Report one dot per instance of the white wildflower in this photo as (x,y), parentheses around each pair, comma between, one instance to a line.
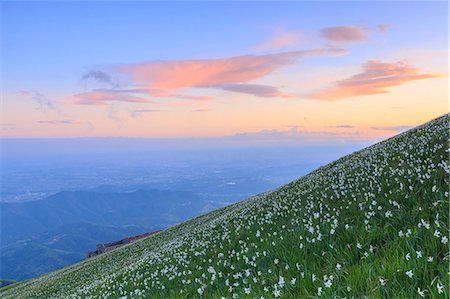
(319,291)
(440,287)
(421,293)
(409,273)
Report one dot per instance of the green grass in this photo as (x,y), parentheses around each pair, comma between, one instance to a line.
(357,225)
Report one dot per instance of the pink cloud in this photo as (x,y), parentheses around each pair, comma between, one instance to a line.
(351,34)
(200,110)
(345,34)
(375,78)
(102,98)
(168,76)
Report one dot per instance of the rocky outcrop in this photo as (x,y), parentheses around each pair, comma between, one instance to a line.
(105,247)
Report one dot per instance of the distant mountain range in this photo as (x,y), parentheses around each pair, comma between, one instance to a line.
(41,236)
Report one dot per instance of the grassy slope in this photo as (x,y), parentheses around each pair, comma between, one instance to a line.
(353,228)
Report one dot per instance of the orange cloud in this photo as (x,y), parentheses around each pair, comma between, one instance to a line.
(165,77)
(375,79)
(102,98)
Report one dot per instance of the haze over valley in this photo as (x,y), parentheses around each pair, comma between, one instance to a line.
(58,203)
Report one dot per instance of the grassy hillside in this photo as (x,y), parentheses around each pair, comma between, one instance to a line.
(374,223)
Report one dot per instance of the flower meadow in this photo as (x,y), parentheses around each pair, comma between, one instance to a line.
(373,224)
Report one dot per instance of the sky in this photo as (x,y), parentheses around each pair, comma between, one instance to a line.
(308,71)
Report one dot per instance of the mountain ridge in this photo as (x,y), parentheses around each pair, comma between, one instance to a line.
(27,218)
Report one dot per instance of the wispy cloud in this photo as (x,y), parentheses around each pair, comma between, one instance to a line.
(99,77)
(25,93)
(200,110)
(392,128)
(7,127)
(258,90)
(280,40)
(103,98)
(139,112)
(58,122)
(297,135)
(153,93)
(383,28)
(345,34)
(343,127)
(375,78)
(191,97)
(113,115)
(351,34)
(44,103)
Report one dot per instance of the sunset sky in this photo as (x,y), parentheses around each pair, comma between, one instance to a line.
(343,70)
